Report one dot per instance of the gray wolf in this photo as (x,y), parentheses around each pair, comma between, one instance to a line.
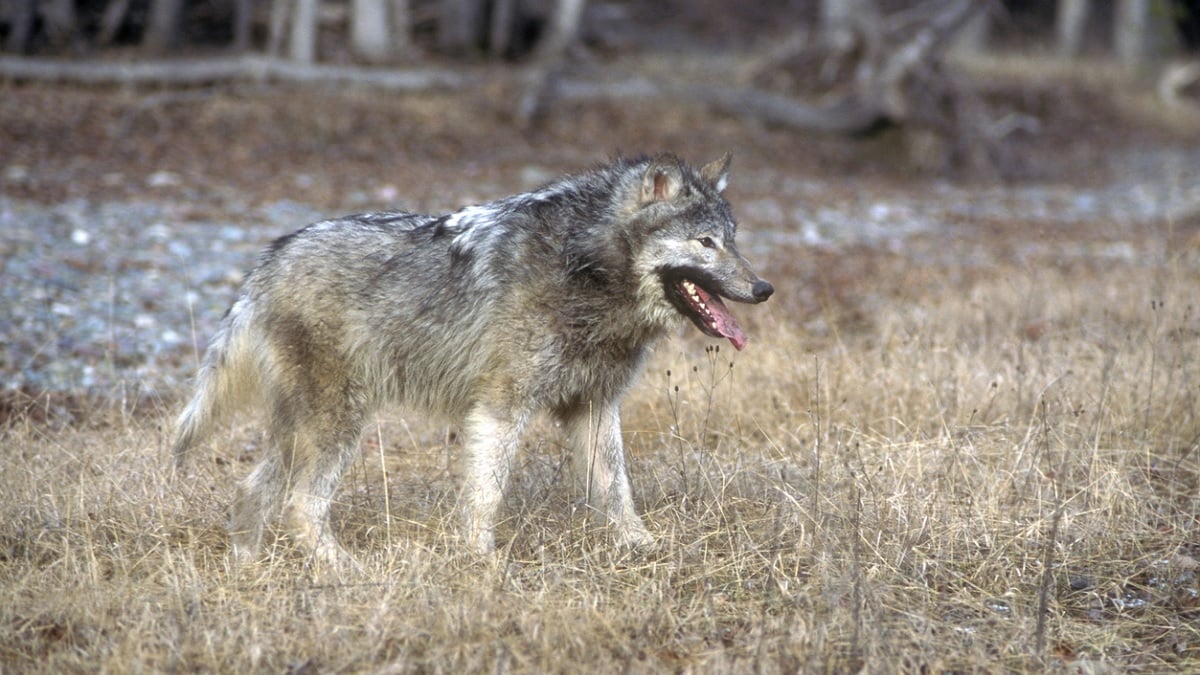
(547,301)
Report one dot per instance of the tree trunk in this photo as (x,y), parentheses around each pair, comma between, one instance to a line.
(1142,30)
(20,25)
(243,24)
(500,32)
(370,29)
(302,46)
(59,19)
(162,29)
(401,28)
(838,20)
(1069,26)
(277,29)
(972,38)
(1129,31)
(110,23)
(564,28)
(460,25)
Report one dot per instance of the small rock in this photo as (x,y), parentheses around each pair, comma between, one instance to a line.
(16,173)
(163,179)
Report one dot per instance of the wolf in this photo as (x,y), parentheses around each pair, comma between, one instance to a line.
(547,301)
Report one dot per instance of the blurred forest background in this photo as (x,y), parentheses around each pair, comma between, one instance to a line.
(826,66)
(399,31)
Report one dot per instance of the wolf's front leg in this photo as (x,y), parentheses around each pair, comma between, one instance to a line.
(491,445)
(599,458)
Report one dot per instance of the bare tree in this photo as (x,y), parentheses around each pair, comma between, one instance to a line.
(972,38)
(460,25)
(841,19)
(281,10)
(548,63)
(20,24)
(564,28)
(501,26)
(110,22)
(1129,31)
(1069,24)
(1141,30)
(402,44)
(243,23)
(379,29)
(162,29)
(370,29)
(302,44)
(59,20)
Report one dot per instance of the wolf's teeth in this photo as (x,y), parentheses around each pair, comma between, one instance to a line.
(693,294)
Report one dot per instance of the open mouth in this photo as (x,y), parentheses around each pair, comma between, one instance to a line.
(706,309)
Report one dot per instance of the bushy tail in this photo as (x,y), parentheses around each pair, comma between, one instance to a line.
(228,375)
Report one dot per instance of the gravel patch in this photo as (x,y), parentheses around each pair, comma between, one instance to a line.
(1150,186)
(98,299)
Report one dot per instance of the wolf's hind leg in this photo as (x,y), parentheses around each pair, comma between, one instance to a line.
(599,459)
(325,445)
(296,483)
(256,504)
(491,445)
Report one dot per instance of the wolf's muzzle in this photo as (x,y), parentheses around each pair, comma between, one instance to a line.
(762,290)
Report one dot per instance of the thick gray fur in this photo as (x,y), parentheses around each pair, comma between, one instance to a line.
(544,301)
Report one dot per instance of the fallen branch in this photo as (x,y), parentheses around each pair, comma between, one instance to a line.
(844,115)
(245,68)
(898,79)
(1177,81)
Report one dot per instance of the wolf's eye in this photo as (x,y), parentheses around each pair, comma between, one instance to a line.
(707,242)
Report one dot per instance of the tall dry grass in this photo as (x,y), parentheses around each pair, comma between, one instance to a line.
(978,455)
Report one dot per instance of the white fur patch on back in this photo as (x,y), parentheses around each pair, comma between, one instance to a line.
(475,227)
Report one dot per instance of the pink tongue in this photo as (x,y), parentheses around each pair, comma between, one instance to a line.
(726,326)
(721,321)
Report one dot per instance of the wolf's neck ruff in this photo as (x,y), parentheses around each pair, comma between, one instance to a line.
(668,192)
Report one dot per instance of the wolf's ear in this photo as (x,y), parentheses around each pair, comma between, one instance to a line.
(716,172)
(662,181)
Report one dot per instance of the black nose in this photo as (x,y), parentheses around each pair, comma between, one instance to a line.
(762,290)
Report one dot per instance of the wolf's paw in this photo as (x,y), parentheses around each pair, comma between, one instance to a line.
(243,553)
(479,540)
(636,540)
(330,560)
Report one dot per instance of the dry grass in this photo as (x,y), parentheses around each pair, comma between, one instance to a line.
(950,469)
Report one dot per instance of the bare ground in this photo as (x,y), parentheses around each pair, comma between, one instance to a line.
(968,444)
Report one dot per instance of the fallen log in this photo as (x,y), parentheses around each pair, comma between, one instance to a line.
(192,72)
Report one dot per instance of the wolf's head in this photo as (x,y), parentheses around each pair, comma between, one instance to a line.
(687,258)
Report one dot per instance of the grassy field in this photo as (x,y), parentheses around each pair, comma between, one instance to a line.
(973,451)
(953,468)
